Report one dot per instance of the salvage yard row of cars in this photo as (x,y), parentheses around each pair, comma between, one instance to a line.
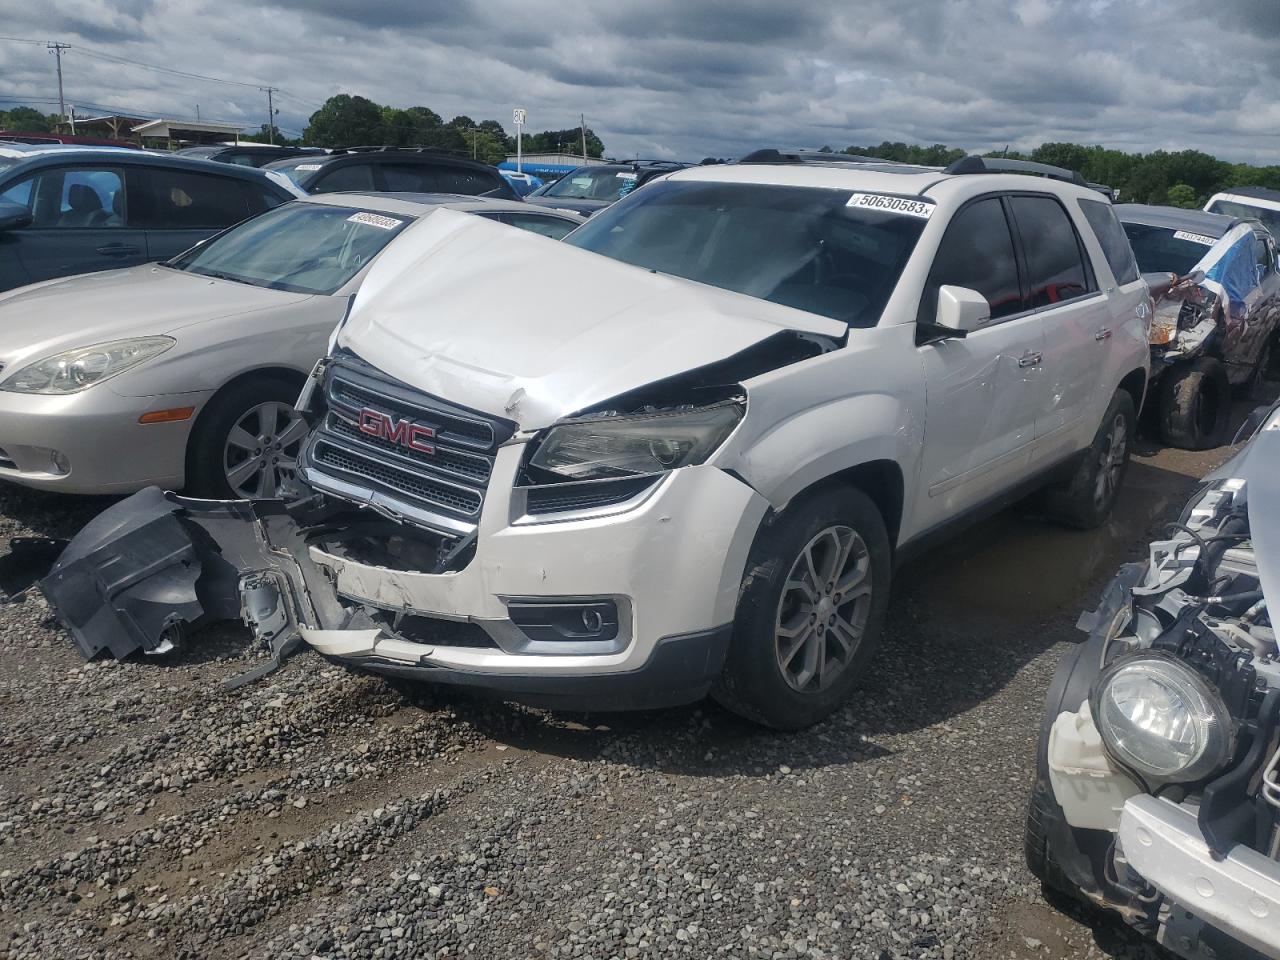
(678,449)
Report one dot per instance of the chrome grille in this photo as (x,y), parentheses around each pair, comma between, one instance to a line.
(449,478)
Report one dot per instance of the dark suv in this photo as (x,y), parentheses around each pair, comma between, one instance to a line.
(394,170)
(588,189)
(67,210)
(247,154)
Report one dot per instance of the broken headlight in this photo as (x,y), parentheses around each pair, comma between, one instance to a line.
(1161,719)
(598,448)
(77,370)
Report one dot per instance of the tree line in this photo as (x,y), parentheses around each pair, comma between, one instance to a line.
(1180,178)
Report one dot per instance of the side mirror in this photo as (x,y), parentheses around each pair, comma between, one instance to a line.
(962,310)
(13,216)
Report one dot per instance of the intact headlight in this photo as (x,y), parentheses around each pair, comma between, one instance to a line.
(79,369)
(602,447)
(1161,719)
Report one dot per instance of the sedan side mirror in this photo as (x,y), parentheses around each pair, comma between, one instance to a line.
(14,216)
(962,309)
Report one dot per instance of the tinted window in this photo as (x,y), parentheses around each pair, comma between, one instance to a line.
(354,176)
(1055,268)
(465,181)
(588,184)
(408,178)
(552,227)
(1112,238)
(802,247)
(178,200)
(69,198)
(1161,250)
(976,252)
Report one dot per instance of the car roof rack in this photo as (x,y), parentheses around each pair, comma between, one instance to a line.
(770,155)
(974,164)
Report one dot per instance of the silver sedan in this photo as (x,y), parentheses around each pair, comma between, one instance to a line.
(184,374)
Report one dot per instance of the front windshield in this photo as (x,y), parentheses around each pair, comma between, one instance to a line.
(1270,218)
(1162,250)
(588,184)
(300,247)
(802,247)
(296,170)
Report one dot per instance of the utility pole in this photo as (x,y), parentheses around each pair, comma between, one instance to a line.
(56,49)
(583,117)
(271,114)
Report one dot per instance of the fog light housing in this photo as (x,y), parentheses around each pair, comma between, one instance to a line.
(560,621)
(61,465)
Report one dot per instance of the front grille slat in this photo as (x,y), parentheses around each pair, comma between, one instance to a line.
(449,476)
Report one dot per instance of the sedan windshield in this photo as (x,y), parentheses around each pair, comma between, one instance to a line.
(802,247)
(1270,218)
(296,170)
(584,183)
(300,247)
(1162,250)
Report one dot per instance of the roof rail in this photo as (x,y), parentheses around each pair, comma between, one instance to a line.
(383,148)
(972,164)
(770,155)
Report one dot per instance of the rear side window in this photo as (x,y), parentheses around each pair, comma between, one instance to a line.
(1055,264)
(976,252)
(179,200)
(408,178)
(1112,238)
(355,176)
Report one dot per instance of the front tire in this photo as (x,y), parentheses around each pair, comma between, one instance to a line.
(245,444)
(1085,501)
(810,609)
(1195,404)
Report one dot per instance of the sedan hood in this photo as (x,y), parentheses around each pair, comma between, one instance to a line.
(47,318)
(520,326)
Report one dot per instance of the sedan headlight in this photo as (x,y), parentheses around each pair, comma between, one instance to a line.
(79,369)
(1161,719)
(602,447)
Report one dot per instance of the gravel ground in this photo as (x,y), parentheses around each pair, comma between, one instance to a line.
(319,813)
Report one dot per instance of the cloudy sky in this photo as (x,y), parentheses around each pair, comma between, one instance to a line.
(691,78)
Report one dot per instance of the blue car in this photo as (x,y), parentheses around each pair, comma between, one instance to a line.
(66,210)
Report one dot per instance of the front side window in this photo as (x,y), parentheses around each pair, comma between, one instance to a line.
(803,247)
(977,253)
(301,247)
(1055,267)
(70,198)
(1112,238)
(351,176)
(162,199)
(1161,250)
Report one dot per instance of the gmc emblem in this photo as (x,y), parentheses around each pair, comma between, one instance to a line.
(404,433)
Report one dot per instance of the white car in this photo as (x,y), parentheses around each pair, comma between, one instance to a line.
(726,406)
(184,373)
(1249,203)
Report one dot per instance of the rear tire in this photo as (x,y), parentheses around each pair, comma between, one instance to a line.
(810,610)
(1085,501)
(1195,404)
(232,453)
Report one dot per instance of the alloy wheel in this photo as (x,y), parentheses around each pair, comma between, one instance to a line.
(823,610)
(261,451)
(1111,461)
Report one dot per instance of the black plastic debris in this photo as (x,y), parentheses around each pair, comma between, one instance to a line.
(29,559)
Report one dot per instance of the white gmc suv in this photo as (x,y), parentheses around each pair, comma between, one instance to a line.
(678,452)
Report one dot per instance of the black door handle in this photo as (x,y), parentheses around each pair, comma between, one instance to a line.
(118,249)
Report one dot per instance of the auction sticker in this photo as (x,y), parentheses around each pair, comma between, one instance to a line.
(879,201)
(1194,237)
(375,220)
(308,166)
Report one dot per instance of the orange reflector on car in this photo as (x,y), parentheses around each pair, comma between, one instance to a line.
(167,416)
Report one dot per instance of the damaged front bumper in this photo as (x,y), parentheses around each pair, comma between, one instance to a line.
(661,579)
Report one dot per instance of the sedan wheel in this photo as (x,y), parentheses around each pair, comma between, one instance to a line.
(261,450)
(822,613)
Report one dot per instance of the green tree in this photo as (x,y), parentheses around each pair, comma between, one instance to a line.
(346,121)
(28,120)
(263,135)
(1181,195)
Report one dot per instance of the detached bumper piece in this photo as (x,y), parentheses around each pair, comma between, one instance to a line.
(148,570)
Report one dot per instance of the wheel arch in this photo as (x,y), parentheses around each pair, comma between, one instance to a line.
(1135,384)
(881,480)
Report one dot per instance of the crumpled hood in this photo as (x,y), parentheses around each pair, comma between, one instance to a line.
(47,318)
(520,326)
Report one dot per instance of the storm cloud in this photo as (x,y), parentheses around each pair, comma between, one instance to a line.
(695,78)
